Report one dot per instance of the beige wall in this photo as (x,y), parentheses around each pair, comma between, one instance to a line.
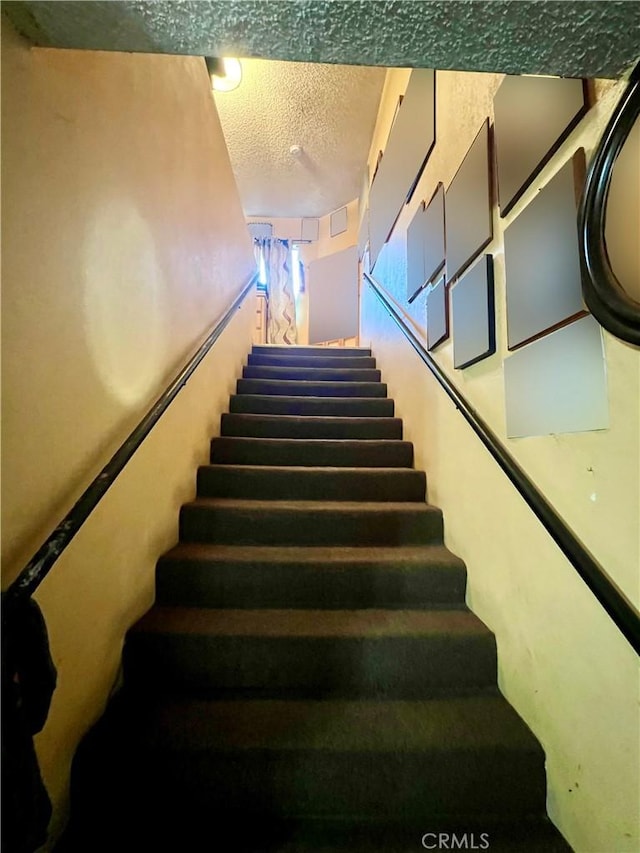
(123,243)
(562,663)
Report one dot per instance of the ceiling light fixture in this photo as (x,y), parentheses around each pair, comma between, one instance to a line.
(225,73)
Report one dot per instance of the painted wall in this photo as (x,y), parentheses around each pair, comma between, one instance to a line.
(562,663)
(123,243)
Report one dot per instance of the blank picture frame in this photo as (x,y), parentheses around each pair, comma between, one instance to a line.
(410,143)
(558,384)
(333,296)
(338,222)
(434,240)
(532,118)
(542,262)
(473,315)
(437,314)
(415,254)
(468,205)
(310,230)
(425,244)
(260,230)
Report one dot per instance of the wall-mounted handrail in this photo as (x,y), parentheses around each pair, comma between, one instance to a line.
(603,294)
(611,597)
(43,560)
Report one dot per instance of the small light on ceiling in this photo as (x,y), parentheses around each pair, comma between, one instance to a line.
(296,151)
(226,74)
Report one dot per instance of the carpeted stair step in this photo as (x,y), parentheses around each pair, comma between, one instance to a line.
(211,575)
(312,374)
(400,654)
(454,759)
(303,388)
(236,450)
(381,407)
(265,482)
(291,426)
(361,361)
(313,352)
(243,522)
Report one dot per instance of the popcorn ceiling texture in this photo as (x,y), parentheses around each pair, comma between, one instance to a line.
(329,110)
(590,39)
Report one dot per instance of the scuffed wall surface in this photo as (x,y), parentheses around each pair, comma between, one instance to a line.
(563,664)
(123,243)
(548,37)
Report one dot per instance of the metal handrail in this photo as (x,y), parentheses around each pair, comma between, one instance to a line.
(603,294)
(45,557)
(611,597)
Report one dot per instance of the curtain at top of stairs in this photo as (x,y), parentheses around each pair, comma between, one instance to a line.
(281,325)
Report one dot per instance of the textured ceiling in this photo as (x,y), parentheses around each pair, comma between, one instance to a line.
(590,39)
(327,110)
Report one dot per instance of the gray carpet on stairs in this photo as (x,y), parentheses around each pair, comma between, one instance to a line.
(310,678)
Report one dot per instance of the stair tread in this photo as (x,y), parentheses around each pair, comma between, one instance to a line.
(268,403)
(438,725)
(320,419)
(295,452)
(312,388)
(254,424)
(313,374)
(343,507)
(289,622)
(320,470)
(366,361)
(309,350)
(296,442)
(319,399)
(414,556)
(303,383)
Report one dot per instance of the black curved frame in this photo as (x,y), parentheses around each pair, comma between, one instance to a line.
(603,294)
(45,557)
(611,597)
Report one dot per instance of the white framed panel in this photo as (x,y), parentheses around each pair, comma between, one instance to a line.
(558,383)
(410,142)
(437,314)
(532,117)
(473,315)
(415,254)
(542,262)
(434,245)
(468,203)
(260,230)
(310,230)
(333,296)
(338,222)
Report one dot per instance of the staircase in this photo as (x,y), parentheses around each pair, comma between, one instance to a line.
(309,677)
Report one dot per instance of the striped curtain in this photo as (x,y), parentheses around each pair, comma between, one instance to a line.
(281,325)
